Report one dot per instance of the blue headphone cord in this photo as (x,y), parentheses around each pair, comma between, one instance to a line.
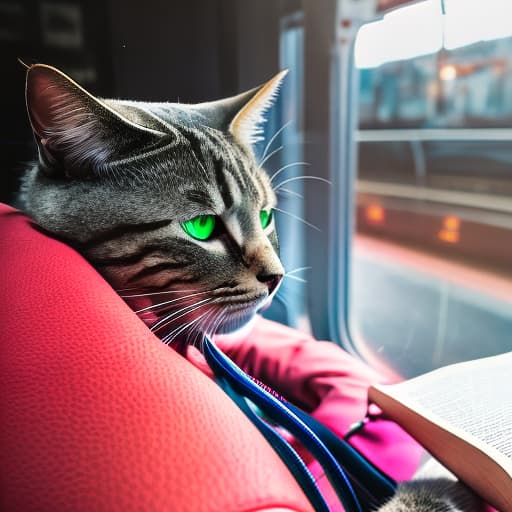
(302,426)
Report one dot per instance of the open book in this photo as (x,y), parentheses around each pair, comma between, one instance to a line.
(462,414)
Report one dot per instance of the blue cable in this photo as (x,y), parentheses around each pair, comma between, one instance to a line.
(283,449)
(371,480)
(223,367)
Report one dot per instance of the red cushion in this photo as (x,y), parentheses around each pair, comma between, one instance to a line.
(98,414)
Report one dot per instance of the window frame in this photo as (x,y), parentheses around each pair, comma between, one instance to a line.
(343,168)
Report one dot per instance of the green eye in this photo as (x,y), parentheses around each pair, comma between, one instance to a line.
(265,218)
(200,228)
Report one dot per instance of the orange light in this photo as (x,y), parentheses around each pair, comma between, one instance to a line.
(451,223)
(450,230)
(450,237)
(375,214)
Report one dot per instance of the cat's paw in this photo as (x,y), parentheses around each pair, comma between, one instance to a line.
(432,495)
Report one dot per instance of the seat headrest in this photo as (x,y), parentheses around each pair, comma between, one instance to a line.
(98,414)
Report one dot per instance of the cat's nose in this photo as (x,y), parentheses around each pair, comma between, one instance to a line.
(271,280)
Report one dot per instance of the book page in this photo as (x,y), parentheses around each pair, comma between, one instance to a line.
(472,398)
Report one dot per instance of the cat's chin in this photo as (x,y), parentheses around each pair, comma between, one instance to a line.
(236,317)
(236,321)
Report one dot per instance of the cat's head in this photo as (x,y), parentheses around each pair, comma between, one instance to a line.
(166,200)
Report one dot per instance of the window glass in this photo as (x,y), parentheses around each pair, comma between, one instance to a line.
(431,267)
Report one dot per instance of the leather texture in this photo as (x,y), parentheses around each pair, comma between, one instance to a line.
(97,414)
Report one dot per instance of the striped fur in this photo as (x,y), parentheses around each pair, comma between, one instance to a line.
(433,489)
(432,495)
(115,179)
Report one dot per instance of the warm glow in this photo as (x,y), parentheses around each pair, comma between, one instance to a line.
(375,214)
(450,232)
(448,72)
(451,223)
(451,237)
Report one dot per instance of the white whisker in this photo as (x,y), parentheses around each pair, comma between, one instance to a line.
(217,321)
(282,169)
(154,306)
(296,217)
(168,338)
(152,293)
(210,322)
(295,270)
(270,155)
(269,143)
(181,312)
(295,278)
(290,192)
(289,180)
(206,322)
(174,334)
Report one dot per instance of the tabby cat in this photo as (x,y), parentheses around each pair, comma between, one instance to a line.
(168,202)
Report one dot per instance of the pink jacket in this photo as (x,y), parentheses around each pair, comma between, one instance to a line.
(327,382)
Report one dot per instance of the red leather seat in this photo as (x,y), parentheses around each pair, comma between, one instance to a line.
(98,414)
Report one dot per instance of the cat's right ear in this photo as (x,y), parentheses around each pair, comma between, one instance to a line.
(76,133)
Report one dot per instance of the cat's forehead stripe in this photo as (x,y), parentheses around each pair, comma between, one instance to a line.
(233,178)
(195,141)
(200,197)
(262,189)
(218,146)
(223,184)
(209,157)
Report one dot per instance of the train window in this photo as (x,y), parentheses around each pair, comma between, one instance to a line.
(431,262)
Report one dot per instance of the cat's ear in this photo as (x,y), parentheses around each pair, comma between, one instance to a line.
(77,133)
(246,125)
(243,115)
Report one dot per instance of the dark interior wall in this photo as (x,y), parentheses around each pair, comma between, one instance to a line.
(258,41)
(195,50)
(72,35)
(177,51)
(173,51)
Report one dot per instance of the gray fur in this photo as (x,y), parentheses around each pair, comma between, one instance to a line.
(432,495)
(433,489)
(117,178)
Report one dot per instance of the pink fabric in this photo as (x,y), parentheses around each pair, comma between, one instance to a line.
(327,382)
(98,415)
(331,385)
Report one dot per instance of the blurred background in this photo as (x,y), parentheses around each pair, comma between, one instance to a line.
(405,108)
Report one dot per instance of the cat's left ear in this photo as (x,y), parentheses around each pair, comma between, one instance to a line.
(243,115)
(76,133)
(246,125)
